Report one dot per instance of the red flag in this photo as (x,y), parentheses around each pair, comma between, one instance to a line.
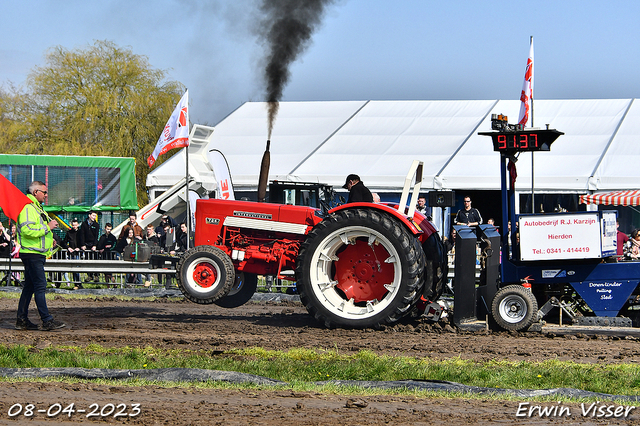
(12,200)
(526,96)
(513,174)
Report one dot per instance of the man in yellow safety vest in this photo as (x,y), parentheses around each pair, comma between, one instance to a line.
(35,236)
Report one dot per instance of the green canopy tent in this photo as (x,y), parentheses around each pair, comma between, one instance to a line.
(76,184)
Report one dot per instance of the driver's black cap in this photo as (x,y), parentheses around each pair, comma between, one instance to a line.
(349,178)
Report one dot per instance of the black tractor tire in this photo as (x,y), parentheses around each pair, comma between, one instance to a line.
(514,308)
(244,287)
(436,270)
(206,274)
(359,268)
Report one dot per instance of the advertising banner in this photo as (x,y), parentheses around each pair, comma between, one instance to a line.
(560,236)
(609,233)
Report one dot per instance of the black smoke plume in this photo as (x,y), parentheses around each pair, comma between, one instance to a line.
(288,26)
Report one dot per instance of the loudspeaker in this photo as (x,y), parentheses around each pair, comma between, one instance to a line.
(442,199)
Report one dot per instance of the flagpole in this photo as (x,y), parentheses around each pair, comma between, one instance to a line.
(533,204)
(174,136)
(531,97)
(188,220)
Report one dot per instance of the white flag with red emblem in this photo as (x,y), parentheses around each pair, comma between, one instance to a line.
(527,90)
(176,131)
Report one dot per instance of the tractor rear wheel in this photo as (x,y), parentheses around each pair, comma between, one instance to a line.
(514,308)
(244,287)
(359,268)
(205,274)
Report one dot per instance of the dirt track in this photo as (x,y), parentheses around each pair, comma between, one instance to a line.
(181,324)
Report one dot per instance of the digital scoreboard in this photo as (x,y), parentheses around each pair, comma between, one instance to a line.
(512,138)
(523,140)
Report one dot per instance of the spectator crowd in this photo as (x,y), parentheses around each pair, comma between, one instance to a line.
(86,241)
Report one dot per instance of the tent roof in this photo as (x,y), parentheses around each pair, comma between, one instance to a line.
(378,140)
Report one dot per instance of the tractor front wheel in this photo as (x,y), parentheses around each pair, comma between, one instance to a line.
(205,274)
(359,268)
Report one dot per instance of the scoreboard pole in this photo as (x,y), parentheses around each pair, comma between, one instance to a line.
(533,204)
(505,208)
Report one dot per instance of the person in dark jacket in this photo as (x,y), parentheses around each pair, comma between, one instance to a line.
(168,231)
(89,232)
(107,242)
(129,239)
(450,242)
(123,242)
(56,278)
(72,238)
(72,243)
(468,216)
(164,221)
(5,242)
(151,237)
(181,238)
(107,248)
(168,246)
(358,193)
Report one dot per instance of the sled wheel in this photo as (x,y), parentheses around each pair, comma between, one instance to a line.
(206,274)
(244,287)
(514,308)
(359,268)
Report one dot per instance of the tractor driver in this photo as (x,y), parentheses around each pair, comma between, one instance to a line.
(358,193)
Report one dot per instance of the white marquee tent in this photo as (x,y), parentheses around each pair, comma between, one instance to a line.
(378,140)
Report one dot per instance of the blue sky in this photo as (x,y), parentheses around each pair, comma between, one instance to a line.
(364,49)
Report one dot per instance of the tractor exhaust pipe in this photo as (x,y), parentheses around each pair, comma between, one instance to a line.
(264,174)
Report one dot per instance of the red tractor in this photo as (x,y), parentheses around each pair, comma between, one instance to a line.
(359,265)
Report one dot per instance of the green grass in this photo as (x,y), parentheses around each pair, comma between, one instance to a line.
(305,366)
(301,368)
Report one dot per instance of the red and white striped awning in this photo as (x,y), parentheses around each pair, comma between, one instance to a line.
(614,198)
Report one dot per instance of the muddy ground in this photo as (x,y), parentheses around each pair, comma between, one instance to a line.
(176,323)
